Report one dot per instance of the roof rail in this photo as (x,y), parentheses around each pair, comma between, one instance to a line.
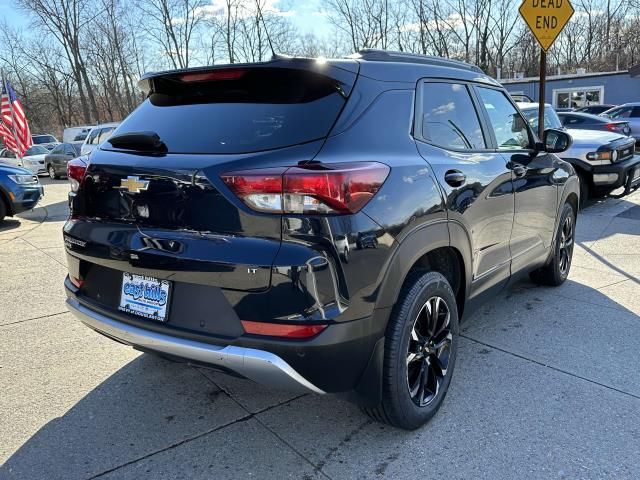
(373,54)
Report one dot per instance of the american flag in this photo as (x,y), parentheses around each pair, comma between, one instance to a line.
(14,128)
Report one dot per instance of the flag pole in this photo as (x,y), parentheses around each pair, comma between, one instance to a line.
(13,119)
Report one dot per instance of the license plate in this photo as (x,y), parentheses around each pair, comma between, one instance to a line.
(144,296)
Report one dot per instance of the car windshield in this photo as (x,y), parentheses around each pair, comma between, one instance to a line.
(36,150)
(551,119)
(40,139)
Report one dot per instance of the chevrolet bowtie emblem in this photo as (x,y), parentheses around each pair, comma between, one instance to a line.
(134,184)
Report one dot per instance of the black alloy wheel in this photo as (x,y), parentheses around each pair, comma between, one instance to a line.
(429,351)
(420,352)
(566,245)
(556,271)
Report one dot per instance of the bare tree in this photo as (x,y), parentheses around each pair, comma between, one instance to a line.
(172,25)
(66,21)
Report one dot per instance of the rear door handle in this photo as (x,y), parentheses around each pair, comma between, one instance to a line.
(455,178)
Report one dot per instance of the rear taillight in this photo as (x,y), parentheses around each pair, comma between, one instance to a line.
(315,188)
(612,127)
(76,169)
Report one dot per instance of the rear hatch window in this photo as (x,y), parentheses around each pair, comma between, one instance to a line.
(238,110)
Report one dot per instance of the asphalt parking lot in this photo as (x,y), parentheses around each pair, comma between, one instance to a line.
(547,384)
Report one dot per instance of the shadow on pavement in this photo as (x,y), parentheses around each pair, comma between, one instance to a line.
(8,224)
(53,212)
(151,405)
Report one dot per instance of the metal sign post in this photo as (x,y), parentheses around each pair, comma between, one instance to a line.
(541,92)
(546,19)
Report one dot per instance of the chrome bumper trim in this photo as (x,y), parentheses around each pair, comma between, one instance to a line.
(257,365)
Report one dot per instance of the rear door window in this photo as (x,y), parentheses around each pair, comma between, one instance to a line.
(622,112)
(449,118)
(250,110)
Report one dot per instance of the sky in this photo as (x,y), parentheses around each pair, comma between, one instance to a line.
(306,15)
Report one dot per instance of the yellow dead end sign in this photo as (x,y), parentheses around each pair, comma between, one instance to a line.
(546,19)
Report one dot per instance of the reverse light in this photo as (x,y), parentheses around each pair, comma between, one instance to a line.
(315,188)
(281,329)
(76,169)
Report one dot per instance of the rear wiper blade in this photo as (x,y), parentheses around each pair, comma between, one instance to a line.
(139,141)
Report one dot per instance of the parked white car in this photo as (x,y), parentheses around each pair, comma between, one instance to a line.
(48,141)
(32,160)
(98,134)
(76,134)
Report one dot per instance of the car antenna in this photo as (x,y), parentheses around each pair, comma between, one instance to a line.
(273,52)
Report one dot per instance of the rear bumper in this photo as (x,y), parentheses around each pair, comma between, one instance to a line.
(257,365)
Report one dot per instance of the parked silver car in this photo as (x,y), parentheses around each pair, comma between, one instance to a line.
(629,112)
(604,161)
(585,121)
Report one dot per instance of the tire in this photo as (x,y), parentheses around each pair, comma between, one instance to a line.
(3,209)
(345,255)
(585,190)
(557,269)
(417,373)
(52,172)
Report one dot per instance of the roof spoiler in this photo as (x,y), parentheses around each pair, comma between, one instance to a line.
(342,70)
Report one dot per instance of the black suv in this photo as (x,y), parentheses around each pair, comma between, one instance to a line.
(317,225)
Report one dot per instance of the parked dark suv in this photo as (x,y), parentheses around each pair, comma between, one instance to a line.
(212,226)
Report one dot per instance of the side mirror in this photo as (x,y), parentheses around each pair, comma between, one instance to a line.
(556,141)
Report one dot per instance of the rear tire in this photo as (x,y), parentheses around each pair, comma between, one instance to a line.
(52,172)
(3,209)
(420,352)
(557,269)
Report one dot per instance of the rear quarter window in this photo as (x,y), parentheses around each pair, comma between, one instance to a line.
(263,109)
